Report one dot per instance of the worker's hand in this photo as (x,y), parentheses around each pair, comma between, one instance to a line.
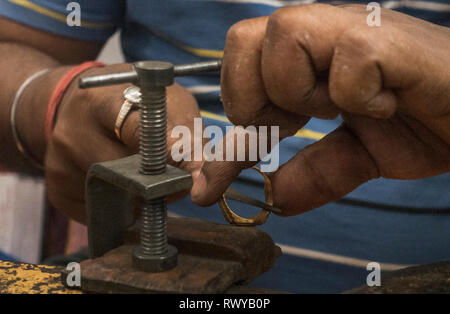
(84,134)
(391,84)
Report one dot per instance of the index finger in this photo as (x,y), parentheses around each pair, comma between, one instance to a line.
(243,91)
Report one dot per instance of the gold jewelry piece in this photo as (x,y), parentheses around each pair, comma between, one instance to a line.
(132,99)
(256,220)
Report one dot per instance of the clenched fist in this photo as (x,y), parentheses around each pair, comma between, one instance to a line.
(391,84)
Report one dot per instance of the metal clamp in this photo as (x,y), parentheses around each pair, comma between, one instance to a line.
(110,185)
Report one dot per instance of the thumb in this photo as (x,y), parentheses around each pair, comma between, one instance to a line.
(322,172)
(236,151)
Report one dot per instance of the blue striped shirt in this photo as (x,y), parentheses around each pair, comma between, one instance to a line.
(326,249)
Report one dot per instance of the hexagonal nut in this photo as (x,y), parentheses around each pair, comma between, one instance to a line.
(155,263)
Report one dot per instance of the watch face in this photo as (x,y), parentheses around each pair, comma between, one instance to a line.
(133,94)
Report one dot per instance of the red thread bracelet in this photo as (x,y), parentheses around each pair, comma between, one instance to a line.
(59,91)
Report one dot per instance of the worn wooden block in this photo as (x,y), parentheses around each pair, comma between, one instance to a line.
(251,247)
(113,273)
(212,257)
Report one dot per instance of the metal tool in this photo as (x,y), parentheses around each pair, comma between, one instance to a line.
(146,174)
(132,77)
(240,197)
(211,257)
(154,254)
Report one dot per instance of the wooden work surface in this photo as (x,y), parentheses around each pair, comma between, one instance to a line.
(21,278)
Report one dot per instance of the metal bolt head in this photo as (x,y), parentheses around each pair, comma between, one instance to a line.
(154,73)
(155,263)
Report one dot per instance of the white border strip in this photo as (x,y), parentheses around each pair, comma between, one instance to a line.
(421,5)
(413,4)
(272,3)
(327,257)
(337,259)
(203,89)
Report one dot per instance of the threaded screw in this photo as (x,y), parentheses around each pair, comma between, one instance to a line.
(154,254)
(153,128)
(154,224)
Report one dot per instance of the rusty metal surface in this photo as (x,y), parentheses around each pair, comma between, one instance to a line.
(430,278)
(251,247)
(212,258)
(21,278)
(113,273)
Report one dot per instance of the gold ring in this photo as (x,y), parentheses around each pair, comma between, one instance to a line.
(132,98)
(256,220)
(123,113)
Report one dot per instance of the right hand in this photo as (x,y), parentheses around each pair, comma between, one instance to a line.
(391,84)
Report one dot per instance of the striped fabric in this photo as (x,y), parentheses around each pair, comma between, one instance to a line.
(326,250)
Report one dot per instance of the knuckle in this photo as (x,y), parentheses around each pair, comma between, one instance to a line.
(357,42)
(354,7)
(130,133)
(357,59)
(283,19)
(238,119)
(60,139)
(280,22)
(238,32)
(101,107)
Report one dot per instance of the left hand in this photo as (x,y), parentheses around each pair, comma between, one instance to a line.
(84,134)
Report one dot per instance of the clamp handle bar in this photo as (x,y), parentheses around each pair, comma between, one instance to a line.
(131,77)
